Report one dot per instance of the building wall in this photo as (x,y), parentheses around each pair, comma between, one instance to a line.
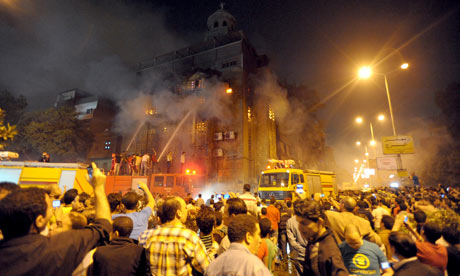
(244,156)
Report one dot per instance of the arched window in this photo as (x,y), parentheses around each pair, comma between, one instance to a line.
(216,24)
(224,23)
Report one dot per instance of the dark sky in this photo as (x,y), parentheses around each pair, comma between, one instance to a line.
(51,46)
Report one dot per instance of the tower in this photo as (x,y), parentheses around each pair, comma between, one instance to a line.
(220,23)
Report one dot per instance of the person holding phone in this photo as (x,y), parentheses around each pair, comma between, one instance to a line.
(140,218)
(55,255)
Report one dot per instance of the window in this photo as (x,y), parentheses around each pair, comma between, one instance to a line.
(158,181)
(302,179)
(169,181)
(275,180)
(295,178)
(89,110)
(216,24)
(224,23)
(229,64)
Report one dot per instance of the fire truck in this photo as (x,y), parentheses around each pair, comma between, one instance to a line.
(281,180)
(39,174)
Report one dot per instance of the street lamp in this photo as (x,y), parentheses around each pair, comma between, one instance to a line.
(363,75)
(358,143)
(381,117)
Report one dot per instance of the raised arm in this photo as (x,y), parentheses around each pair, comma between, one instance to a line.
(149,195)
(102,205)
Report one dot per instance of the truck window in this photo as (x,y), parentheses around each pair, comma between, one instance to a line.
(169,181)
(302,179)
(159,181)
(295,178)
(274,180)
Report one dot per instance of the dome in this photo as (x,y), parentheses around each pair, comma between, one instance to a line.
(220,22)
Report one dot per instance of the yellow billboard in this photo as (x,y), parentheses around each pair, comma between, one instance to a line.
(398,145)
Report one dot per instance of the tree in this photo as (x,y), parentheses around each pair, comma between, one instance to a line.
(7,132)
(55,131)
(13,106)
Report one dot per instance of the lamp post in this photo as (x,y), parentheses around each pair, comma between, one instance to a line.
(365,73)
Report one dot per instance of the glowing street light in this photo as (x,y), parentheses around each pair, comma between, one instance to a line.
(356,161)
(367,154)
(364,72)
(381,117)
(229,91)
(404,66)
(373,143)
(359,120)
(358,143)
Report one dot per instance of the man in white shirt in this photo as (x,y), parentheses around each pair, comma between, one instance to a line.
(249,199)
(144,164)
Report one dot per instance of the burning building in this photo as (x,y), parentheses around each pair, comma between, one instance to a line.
(231,150)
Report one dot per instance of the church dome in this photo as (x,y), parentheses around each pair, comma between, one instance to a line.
(221,23)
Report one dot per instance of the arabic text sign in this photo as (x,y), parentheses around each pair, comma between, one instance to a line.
(397,145)
(387,163)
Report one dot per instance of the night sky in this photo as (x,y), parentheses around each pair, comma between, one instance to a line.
(51,46)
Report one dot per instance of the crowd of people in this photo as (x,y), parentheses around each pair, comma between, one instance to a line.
(141,164)
(406,231)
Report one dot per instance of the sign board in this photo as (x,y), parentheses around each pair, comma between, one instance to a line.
(387,163)
(403,173)
(397,145)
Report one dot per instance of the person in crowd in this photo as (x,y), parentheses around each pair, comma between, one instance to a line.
(267,249)
(26,212)
(249,199)
(140,218)
(46,158)
(451,234)
(386,224)
(240,258)
(144,163)
(362,257)
(273,214)
(363,211)
(205,220)
(232,208)
(297,243)
(286,214)
(182,162)
(172,248)
(263,213)
(404,249)
(220,230)
(322,256)
(338,221)
(378,212)
(420,219)
(121,256)
(6,188)
(428,251)
(169,160)
(68,199)
(199,201)
(68,221)
(208,201)
(115,203)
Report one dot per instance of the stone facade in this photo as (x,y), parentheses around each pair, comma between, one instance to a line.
(231,152)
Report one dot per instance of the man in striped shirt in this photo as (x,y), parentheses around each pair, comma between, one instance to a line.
(205,220)
(174,249)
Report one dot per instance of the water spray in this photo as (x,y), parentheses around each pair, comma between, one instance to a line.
(174,134)
(135,134)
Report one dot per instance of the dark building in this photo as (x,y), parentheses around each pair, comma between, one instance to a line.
(232,151)
(98,114)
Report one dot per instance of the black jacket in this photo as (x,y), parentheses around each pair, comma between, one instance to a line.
(415,267)
(323,257)
(121,257)
(35,254)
